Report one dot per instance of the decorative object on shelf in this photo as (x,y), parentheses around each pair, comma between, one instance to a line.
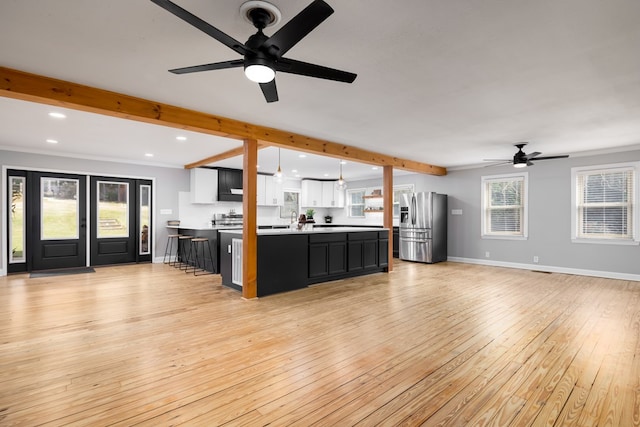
(377,192)
(341,184)
(328,219)
(278,175)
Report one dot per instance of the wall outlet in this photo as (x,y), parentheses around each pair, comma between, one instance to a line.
(486,254)
(535,259)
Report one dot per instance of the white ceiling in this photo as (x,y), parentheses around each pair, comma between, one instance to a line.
(442,82)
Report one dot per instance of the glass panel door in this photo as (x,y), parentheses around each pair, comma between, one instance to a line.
(145,219)
(17,219)
(57,233)
(59,208)
(113,209)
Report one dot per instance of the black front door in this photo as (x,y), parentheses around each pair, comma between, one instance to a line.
(58,218)
(120,220)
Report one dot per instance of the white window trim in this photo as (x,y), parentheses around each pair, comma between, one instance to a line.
(349,204)
(525,210)
(636,211)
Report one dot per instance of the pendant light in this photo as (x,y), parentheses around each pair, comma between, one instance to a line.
(341,184)
(278,175)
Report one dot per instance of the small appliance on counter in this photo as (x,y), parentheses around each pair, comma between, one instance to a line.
(423,227)
(230,219)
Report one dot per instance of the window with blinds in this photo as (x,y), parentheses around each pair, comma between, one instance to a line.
(605,203)
(504,200)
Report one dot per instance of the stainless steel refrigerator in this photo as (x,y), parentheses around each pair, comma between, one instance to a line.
(423,227)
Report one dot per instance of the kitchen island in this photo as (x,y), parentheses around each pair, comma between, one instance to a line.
(291,259)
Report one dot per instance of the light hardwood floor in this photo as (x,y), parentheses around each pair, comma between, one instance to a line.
(444,344)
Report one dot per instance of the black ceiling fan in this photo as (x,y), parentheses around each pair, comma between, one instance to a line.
(521,159)
(263,55)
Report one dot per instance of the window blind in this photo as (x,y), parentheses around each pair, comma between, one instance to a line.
(605,205)
(504,206)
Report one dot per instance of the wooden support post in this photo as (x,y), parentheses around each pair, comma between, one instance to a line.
(249,212)
(387,199)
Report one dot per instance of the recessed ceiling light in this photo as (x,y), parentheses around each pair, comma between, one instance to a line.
(181,138)
(343,162)
(302,156)
(326,174)
(375,168)
(57,115)
(148,154)
(294,170)
(52,141)
(257,166)
(297,176)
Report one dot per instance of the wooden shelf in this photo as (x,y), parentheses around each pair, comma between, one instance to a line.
(372,197)
(373,210)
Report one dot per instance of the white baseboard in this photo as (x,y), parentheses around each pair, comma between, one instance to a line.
(549,269)
(3,272)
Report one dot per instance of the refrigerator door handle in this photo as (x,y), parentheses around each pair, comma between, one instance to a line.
(413,209)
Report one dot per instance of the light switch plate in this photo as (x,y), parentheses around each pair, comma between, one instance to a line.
(456,211)
(166,211)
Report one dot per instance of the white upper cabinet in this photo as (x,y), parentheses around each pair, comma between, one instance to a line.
(332,197)
(269,191)
(204,185)
(311,194)
(320,194)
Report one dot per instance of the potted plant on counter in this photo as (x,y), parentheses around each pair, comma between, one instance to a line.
(310,213)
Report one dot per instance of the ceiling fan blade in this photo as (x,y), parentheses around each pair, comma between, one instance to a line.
(208,67)
(532,155)
(297,28)
(202,26)
(270,91)
(496,160)
(497,163)
(312,70)
(551,157)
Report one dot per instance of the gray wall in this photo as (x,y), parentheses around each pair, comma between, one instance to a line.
(549,221)
(549,211)
(168,183)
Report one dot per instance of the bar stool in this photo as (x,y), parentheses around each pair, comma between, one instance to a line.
(168,249)
(184,251)
(200,262)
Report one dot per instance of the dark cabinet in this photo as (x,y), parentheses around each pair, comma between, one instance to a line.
(396,242)
(355,256)
(383,252)
(229,179)
(327,254)
(363,250)
(318,260)
(338,257)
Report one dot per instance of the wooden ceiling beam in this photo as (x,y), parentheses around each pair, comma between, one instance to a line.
(32,87)
(239,151)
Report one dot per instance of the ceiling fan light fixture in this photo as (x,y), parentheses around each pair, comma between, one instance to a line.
(259,73)
(520,165)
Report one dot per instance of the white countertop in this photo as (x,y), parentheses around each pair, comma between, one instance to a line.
(204,227)
(312,231)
